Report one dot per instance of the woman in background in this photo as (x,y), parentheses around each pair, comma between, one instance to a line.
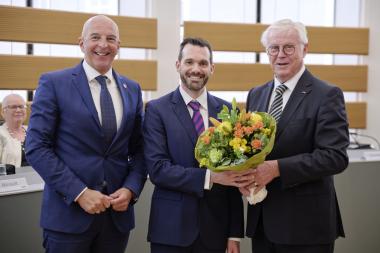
(12,132)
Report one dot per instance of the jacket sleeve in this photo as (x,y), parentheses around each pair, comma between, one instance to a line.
(137,170)
(162,171)
(329,140)
(40,143)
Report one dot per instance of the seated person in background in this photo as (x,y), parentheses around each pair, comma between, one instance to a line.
(12,132)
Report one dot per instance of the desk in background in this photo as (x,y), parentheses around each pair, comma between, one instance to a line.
(357,189)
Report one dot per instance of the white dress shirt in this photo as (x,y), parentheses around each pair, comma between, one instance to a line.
(91,74)
(291,84)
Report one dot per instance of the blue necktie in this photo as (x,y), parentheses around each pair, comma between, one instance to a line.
(108,111)
(197,117)
(276,107)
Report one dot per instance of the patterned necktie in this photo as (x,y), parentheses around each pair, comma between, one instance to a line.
(108,111)
(197,117)
(276,107)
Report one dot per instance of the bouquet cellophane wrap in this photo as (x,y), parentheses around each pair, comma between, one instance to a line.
(251,162)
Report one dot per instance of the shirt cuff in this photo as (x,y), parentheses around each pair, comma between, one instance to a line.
(80,194)
(208,184)
(234,239)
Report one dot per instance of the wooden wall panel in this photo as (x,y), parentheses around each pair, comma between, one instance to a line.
(60,27)
(242,77)
(357,114)
(23,72)
(246,37)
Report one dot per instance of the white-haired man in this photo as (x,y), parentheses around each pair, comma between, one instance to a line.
(300,213)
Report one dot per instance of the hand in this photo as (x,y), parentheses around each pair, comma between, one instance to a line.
(93,201)
(233,246)
(264,174)
(245,190)
(120,199)
(233,178)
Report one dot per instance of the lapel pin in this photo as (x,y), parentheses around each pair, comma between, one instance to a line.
(124,85)
(304,92)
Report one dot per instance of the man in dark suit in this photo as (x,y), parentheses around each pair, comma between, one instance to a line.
(85,140)
(300,213)
(191,210)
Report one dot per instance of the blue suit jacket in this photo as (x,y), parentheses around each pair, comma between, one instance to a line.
(310,146)
(65,146)
(181,209)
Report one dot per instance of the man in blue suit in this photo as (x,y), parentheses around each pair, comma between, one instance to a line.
(301,212)
(85,140)
(192,210)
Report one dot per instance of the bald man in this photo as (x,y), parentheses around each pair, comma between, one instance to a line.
(84,139)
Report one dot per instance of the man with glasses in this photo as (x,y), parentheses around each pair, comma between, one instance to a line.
(300,213)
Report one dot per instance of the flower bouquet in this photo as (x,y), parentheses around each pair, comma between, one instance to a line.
(240,141)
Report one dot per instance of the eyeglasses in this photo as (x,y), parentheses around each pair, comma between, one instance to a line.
(15,107)
(286,49)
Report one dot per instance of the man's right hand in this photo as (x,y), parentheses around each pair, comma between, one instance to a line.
(233,178)
(94,201)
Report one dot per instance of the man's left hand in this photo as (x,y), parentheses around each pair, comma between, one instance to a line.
(265,173)
(233,246)
(121,199)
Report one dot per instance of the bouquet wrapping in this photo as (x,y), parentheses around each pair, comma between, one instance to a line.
(240,141)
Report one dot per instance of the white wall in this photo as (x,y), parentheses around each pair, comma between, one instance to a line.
(371,19)
(167,13)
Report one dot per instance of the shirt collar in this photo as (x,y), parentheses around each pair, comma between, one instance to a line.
(91,73)
(292,82)
(202,99)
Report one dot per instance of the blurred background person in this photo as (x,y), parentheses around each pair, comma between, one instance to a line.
(12,131)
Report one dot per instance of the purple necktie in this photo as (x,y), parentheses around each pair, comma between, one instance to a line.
(197,117)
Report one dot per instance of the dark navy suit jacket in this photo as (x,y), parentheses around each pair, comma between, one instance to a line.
(65,146)
(181,209)
(310,146)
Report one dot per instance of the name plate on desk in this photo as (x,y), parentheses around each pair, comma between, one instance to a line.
(13,184)
(371,155)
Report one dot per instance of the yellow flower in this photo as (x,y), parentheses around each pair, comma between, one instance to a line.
(225,127)
(204,162)
(256,118)
(238,143)
(267,131)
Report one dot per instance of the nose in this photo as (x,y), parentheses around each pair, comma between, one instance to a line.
(281,52)
(196,68)
(102,42)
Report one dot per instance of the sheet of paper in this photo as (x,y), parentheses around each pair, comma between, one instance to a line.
(371,155)
(13,184)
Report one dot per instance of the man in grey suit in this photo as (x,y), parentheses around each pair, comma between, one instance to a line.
(301,212)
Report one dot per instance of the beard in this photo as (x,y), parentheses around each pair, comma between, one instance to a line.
(192,85)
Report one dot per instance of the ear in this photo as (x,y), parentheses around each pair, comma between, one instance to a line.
(177,65)
(80,43)
(305,50)
(118,44)
(212,68)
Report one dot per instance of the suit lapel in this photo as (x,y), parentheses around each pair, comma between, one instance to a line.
(213,107)
(260,101)
(302,89)
(81,83)
(182,113)
(123,90)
